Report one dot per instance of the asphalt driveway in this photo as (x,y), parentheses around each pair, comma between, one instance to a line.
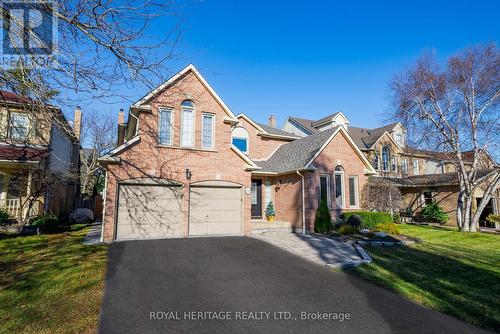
(244,285)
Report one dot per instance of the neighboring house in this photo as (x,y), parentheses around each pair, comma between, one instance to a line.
(33,146)
(188,166)
(422,175)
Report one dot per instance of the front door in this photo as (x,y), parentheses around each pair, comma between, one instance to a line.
(256,198)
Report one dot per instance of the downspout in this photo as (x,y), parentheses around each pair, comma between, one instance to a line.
(303,207)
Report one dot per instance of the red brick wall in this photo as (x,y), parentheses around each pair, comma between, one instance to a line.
(289,197)
(148,159)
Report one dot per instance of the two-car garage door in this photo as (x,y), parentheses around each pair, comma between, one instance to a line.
(155,211)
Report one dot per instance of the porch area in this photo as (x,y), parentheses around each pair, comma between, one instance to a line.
(263,227)
(17,192)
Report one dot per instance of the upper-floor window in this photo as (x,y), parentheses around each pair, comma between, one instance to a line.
(207,131)
(416,170)
(187,123)
(385,158)
(166,126)
(239,138)
(394,166)
(18,126)
(404,166)
(339,186)
(376,162)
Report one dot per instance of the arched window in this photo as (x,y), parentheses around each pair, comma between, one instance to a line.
(339,186)
(385,158)
(239,138)
(187,123)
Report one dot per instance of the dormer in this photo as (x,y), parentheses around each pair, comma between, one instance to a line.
(331,121)
(398,133)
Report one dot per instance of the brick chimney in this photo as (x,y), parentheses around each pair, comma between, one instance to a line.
(272,121)
(77,122)
(121,117)
(121,127)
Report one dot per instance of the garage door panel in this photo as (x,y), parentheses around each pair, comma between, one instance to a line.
(149,212)
(215,211)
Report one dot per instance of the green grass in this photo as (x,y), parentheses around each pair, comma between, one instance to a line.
(50,283)
(452,272)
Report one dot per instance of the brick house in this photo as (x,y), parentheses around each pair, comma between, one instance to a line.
(186,165)
(35,146)
(423,176)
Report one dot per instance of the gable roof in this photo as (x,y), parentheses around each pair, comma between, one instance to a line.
(300,154)
(305,124)
(143,102)
(325,119)
(366,138)
(277,132)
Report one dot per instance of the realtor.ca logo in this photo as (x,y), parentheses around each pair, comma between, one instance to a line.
(29,33)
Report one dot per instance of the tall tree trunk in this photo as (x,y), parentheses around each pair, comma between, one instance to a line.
(467,213)
(460,211)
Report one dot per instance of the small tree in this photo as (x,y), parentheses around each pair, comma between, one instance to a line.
(434,213)
(323,221)
(270,212)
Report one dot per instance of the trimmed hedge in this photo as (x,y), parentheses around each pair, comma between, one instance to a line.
(369,219)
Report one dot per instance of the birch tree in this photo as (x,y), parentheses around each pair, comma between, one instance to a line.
(454,108)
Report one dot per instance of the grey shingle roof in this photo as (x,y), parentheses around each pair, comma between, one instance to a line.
(295,155)
(275,131)
(305,123)
(324,119)
(365,138)
(430,180)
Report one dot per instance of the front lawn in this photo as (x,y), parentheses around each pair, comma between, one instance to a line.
(452,272)
(50,283)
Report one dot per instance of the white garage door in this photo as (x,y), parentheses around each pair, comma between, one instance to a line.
(146,211)
(215,210)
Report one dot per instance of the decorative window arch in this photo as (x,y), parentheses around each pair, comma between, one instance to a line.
(239,138)
(386,155)
(339,186)
(188,113)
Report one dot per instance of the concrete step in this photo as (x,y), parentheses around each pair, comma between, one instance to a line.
(261,227)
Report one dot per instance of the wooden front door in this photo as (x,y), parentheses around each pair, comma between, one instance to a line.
(256,198)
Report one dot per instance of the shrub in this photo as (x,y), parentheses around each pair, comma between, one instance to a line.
(369,219)
(389,228)
(354,221)
(347,229)
(270,212)
(49,222)
(434,213)
(4,216)
(323,221)
(397,218)
(493,218)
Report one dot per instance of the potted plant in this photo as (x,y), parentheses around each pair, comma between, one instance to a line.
(270,212)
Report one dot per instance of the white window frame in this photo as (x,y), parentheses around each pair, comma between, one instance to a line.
(267,193)
(356,191)
(394,164)
(193,139)
(172,118)
(386,168)
(11,127)
(416,163)
(342,196)
(328,190)
(404,166)
(203,115)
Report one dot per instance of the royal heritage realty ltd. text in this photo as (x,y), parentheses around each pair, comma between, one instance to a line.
(248,315)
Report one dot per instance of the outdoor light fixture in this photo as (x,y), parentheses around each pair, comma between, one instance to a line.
(188,174)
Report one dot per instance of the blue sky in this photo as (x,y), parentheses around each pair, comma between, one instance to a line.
(312,58)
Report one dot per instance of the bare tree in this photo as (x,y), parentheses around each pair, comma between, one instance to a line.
(98,134)
(380,194)
(456,110)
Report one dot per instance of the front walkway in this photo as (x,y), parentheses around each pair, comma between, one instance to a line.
(94,235)
(332,253)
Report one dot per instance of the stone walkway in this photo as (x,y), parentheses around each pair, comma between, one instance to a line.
(94,235)
(332,253)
